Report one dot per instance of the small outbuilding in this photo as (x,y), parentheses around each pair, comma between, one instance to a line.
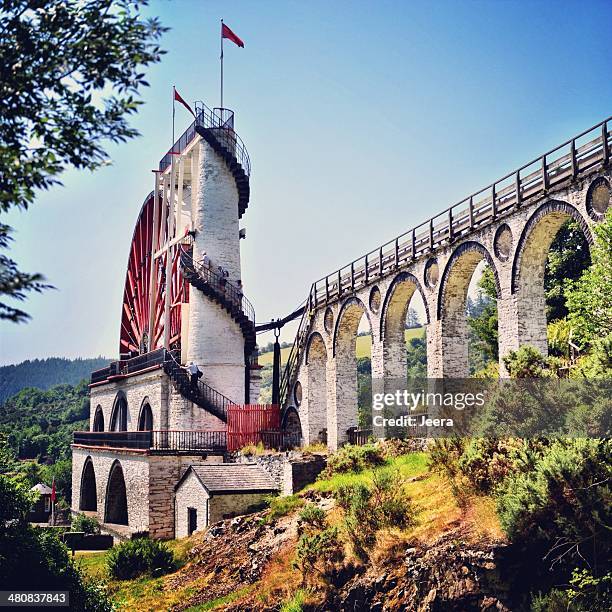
(41,510)
(206,494)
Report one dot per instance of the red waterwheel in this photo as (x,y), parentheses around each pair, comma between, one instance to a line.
(138,333)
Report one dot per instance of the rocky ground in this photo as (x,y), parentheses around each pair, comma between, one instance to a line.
(450,573)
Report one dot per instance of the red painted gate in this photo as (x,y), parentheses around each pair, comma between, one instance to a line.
(249,424)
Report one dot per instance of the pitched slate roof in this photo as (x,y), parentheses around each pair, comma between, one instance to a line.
(231,477)
(41,488)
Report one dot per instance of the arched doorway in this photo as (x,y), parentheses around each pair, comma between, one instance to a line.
(89,496)
(119,413)
(145,420)
(293,428)
(116,510)
(98,423)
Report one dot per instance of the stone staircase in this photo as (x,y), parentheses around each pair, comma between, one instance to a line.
(203,395)
(224,293)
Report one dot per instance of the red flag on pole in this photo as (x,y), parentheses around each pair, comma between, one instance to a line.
(53,491)
(227,33)
(178,98)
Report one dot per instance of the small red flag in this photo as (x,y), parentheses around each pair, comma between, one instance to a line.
(227,33)
(53,491)
(178,98)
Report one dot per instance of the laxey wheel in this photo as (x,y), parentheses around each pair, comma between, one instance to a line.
(139,334)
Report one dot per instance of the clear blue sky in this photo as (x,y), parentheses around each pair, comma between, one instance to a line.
(361,119)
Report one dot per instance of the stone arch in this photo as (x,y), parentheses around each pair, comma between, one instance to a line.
(451,307)
(351,308)
(98,422)
(540,231)
(145,418)
(392,323)
(315,338)
(529,266)
(397,298)
(467,256)
(88,498)
(116,509)
(344,400)
(291,424)
(118,421)
(315,396)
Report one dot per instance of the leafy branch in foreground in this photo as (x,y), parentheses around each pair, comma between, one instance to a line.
(69,78)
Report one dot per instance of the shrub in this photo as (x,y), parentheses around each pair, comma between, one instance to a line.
(281,506)
(586,593)
(561,508)
(317,553)
(86,524)
(383,504)
(140,556)
(352,458)
(311,517)
(486,462)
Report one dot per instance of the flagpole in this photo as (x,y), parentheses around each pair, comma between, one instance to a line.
(221,63)
(173,113)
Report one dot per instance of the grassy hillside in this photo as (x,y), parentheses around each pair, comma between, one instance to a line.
(363,346)
(46,373)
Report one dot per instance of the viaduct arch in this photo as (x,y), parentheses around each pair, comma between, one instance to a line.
(510,226)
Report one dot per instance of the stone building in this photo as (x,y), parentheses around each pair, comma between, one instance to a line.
(183,303)
(209,493)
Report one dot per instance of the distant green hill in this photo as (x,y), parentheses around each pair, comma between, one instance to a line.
(363,346)
(46,373)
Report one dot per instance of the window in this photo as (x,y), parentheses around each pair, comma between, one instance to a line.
(47,503)
(192,520)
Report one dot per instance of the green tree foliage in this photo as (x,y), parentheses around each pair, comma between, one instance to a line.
(589,299)
(482,320)
(35,559)
(416,357)
(39,424)
(568,257)
(71,72)
(563,506)
(46,373)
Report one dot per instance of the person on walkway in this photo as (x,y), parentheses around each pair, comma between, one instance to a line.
(194,374)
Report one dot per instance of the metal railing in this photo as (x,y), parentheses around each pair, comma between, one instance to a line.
(359,437)
(223,130)
(189,440)
(114,439)
(565,162)
(164,441)
(130,366)
(202,394)
(290,371)
(225,289)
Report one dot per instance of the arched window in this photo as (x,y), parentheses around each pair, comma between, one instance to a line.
(98,423)
(119,414)
(116,510)
(89,497)
(145,420)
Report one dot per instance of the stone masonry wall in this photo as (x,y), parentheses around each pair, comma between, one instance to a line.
(518,269)
(216,342)
(150,386)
